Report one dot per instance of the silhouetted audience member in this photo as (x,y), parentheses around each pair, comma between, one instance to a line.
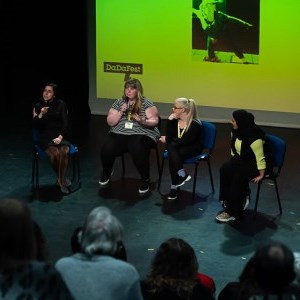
(22,276)
(173,274)
(297,266)
(42,252)
(269,274)
(94,272)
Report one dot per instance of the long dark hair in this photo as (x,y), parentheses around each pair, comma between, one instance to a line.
(175,265)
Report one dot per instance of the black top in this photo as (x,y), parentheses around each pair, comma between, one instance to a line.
(191,137)
(53,123)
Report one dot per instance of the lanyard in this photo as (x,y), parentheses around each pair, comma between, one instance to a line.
(180,131)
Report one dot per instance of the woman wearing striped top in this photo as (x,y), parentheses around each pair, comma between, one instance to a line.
(133,121)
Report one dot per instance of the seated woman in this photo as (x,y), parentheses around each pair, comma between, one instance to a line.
(50,119)
(247,163)
(183,139)
(133,120)
(174,274)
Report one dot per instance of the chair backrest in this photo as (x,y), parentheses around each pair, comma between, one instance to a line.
(209,135)
(277,148)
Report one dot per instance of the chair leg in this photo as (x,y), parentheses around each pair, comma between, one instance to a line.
(33,171)
(195,181)
(78,171)
(157,160)
(160,174)
(123,164)
(210,176)
(257,197)
(278,198)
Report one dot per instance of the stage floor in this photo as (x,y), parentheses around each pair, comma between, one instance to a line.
(222,249)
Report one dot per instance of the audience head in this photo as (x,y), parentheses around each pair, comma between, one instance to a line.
(274,267)
(17,237)
(175,259)
(101,233)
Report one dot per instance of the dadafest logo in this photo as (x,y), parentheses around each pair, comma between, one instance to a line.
(126,68)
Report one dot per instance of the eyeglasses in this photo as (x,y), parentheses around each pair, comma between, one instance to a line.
(174,107)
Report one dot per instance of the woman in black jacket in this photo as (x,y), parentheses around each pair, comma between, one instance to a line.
(183,139)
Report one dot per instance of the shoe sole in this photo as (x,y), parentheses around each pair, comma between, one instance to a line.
(226,220)
(143,191)
(246,204)
(104,183)
(107,181)
(183,182)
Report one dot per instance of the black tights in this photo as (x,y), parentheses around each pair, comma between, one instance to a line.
(138,146)
(177,155)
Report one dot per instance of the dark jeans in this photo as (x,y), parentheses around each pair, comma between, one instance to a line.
(177,155)
(138,146)
(235,175)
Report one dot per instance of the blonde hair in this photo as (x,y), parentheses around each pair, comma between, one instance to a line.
(191,109)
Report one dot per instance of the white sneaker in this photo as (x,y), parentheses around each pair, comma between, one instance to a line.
(246,202)
(225,217)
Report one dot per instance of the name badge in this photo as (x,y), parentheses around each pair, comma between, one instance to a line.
(128,125)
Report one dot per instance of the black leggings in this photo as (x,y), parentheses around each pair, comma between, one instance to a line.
(177,155)
(235,175)
(138,146)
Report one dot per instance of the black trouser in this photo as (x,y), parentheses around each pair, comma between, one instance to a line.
(177,155)
(138,146)
(235,175)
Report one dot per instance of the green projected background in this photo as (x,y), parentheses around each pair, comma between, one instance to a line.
(153,41)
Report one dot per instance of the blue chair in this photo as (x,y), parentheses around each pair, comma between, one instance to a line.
(39,153)
(209,138)
(277,149)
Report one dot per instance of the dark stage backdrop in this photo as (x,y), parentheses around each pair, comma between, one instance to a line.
(40,42)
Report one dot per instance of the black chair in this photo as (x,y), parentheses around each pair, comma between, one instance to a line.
(209,138)
(38,153)
(277,148)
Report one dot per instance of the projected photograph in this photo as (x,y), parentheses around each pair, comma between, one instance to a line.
(225,31)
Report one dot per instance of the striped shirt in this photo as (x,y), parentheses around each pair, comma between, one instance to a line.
(137,128)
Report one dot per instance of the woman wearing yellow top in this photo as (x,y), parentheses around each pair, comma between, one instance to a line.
(247,163)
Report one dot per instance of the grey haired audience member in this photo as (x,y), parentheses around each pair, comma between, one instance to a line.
(94,272)
(101,232)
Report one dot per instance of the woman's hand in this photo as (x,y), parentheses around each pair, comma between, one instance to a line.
(57,140)
(259,177)
(163,139)
(141,120)
(172,116)
(123,108)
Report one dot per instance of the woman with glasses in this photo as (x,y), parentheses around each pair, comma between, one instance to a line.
(183,140)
